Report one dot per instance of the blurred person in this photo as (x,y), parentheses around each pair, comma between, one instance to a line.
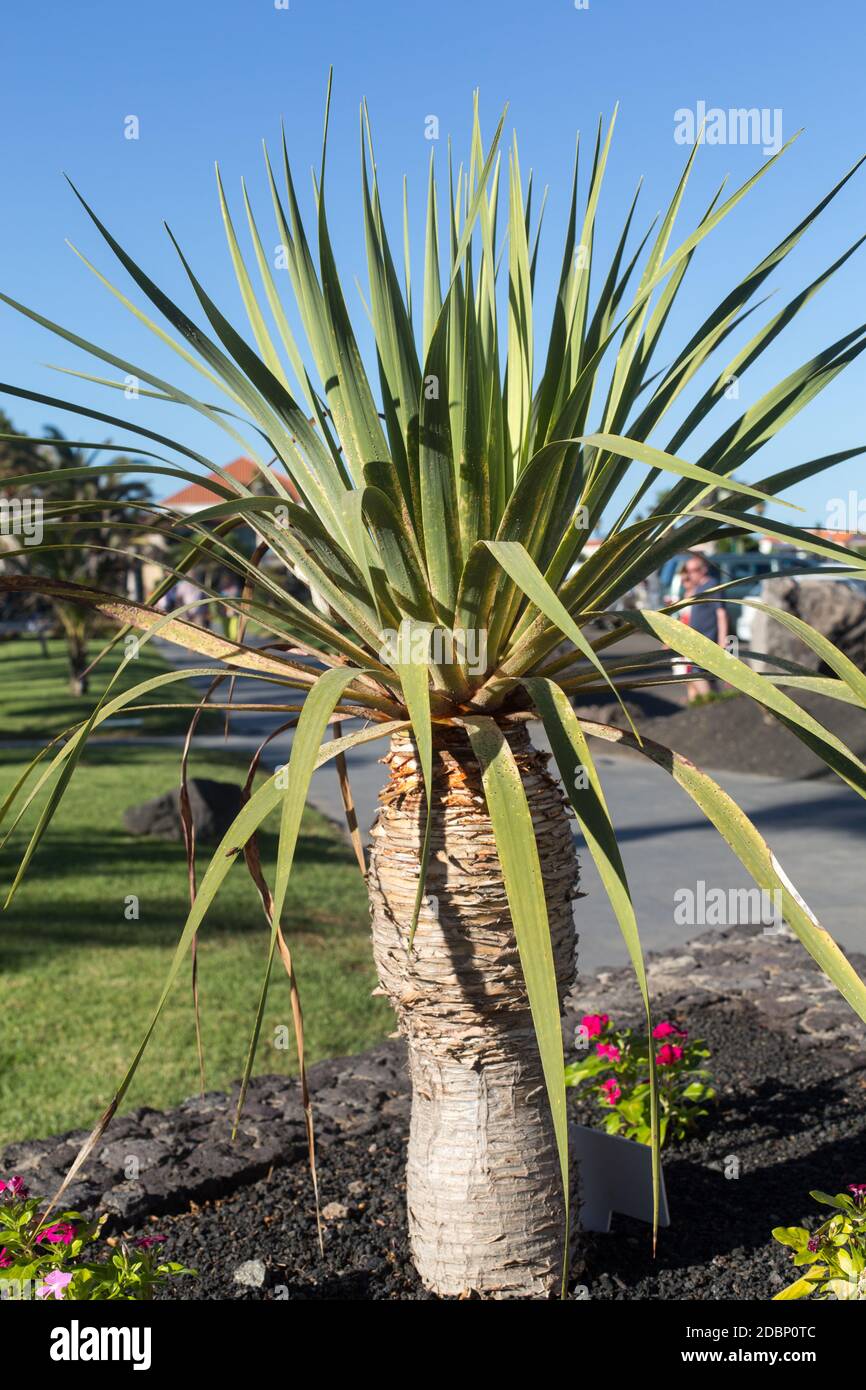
(710,619)
(229,618)
(187,594)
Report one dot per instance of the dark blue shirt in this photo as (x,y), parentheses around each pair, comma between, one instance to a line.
(703,615)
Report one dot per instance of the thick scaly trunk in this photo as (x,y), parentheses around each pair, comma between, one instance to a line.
(484,1191)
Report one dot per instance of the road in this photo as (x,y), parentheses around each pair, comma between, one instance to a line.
(817,830)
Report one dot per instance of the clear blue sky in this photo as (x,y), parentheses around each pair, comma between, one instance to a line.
(209,80)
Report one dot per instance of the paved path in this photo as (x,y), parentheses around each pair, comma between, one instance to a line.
(817,829)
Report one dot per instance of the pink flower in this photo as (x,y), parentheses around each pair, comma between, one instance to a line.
(611,1090)
(61,1233)
(668,1030)
(667,1055)
(55,1283)
(14,1188)
(858,1191)
(5,1258)
(145,1242)
(609,1050)
(814,1244)
(594,1024)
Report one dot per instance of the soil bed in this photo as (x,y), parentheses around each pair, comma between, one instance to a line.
(788,1063)
(739,735)
(790,1110)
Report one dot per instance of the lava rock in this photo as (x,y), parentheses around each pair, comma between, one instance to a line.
(213,804)
(251,1274)
(787,1061)
(781,1114)
(186,1154)
(835,609)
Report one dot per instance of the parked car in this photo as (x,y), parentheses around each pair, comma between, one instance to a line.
(749,567)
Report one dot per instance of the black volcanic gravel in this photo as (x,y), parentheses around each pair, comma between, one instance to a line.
(791,1112)
(739,734)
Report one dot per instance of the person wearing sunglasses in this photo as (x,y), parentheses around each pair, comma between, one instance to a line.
(708,618)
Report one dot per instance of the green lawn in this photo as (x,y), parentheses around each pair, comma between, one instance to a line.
(79,980)
(35,701)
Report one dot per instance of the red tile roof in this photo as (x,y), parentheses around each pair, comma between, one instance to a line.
(198,495)
(840,537)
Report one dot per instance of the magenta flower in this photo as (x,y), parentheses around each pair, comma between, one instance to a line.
(594,1024)
(611,1090)
(61,1233)
(55,1283)
(814,1244)
(858,1191)
(145,1242)
(668,1030)
(609,1050)
(5,1258)
(667,1055)
(16,1186)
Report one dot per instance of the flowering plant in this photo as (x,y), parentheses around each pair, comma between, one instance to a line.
(46,1259)
(617,1067)
(835,1253)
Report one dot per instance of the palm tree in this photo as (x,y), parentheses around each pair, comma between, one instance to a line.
(92,510)
(18,454)
(441,512)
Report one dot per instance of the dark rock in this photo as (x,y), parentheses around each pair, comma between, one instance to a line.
(835,609)
(213,804)
(126,1200)
(781,1114)
(784,1006)
(787,988)
(132,1155)
(787,1057)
